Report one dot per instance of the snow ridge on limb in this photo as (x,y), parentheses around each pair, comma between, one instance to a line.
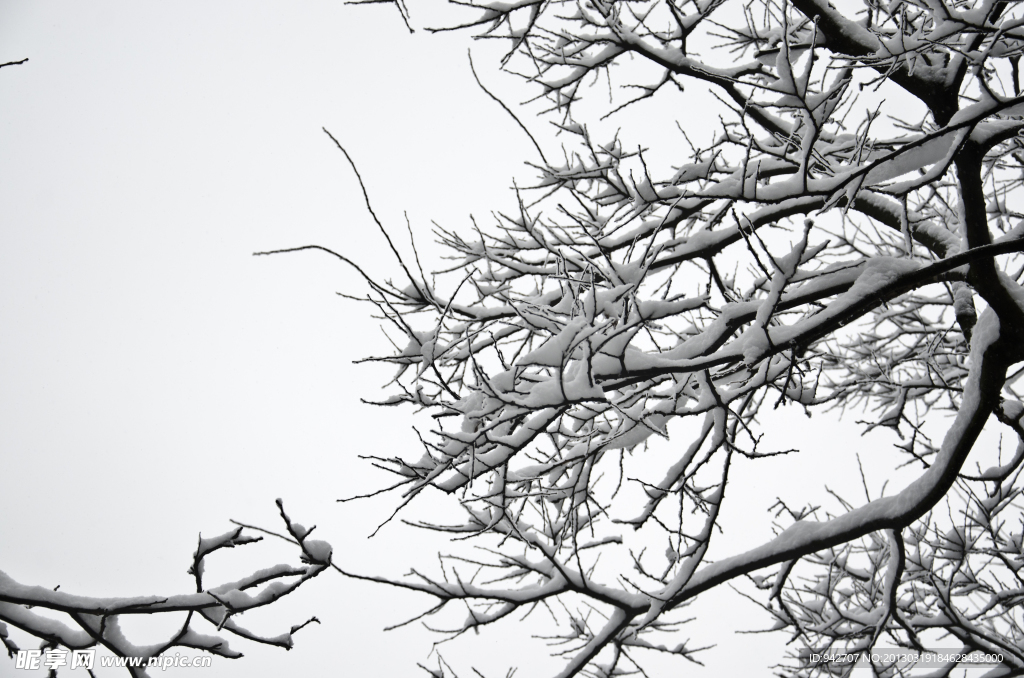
(981,396)
(97,619)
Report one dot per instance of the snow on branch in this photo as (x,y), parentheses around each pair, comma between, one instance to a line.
(96,622)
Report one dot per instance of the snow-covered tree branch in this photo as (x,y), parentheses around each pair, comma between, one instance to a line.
(826,249)
(95,622)
(829,225)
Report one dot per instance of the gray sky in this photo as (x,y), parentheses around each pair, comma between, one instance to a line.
(157,380)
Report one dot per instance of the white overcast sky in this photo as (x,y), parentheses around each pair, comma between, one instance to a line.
(157,380)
